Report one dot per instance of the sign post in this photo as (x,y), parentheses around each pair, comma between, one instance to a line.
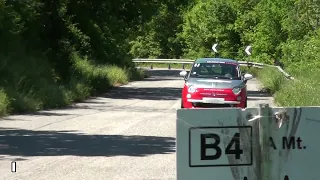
(260,143)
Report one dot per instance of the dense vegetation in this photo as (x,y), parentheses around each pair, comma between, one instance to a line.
(277,30)
(56,52)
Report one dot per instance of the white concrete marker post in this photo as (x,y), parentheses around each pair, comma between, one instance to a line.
(260,143)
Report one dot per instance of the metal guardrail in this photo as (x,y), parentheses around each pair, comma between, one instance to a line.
(190,61)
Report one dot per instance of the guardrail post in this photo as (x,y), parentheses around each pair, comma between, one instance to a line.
(169,67)
(182,66)
(151,67)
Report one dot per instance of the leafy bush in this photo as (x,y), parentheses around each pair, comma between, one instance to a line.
(55,53)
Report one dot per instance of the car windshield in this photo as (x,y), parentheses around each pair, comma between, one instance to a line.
(215,70)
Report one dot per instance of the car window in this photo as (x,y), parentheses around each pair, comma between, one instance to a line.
(218,70)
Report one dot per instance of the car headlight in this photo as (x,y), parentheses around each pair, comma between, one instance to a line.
(192,89)
(236,90)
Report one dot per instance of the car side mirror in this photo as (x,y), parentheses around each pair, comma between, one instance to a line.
(183,73)
(247,77)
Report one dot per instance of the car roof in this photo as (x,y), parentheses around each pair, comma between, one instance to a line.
(204,60)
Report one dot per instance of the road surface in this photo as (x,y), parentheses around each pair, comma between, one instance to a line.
(127,134)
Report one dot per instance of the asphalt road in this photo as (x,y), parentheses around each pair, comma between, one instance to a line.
(127,134)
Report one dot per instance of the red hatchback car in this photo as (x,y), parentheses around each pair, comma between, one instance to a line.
(214,82)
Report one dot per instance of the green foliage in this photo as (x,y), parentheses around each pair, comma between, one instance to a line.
(206,23)
(37,89)
(159,37)
(4,102)
(303,65)
(55,52)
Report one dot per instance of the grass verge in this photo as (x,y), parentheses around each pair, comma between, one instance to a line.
(35,86)
(271,79)
(301,92)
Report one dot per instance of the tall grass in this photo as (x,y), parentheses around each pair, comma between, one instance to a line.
(31,87)
(301,92)
(271,79)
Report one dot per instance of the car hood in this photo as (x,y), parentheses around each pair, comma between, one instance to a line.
(214,83)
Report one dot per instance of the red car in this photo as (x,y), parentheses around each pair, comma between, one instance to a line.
(214,82)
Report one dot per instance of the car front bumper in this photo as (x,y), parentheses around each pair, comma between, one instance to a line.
(213,101)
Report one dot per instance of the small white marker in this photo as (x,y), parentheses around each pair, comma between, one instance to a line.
(13,166)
